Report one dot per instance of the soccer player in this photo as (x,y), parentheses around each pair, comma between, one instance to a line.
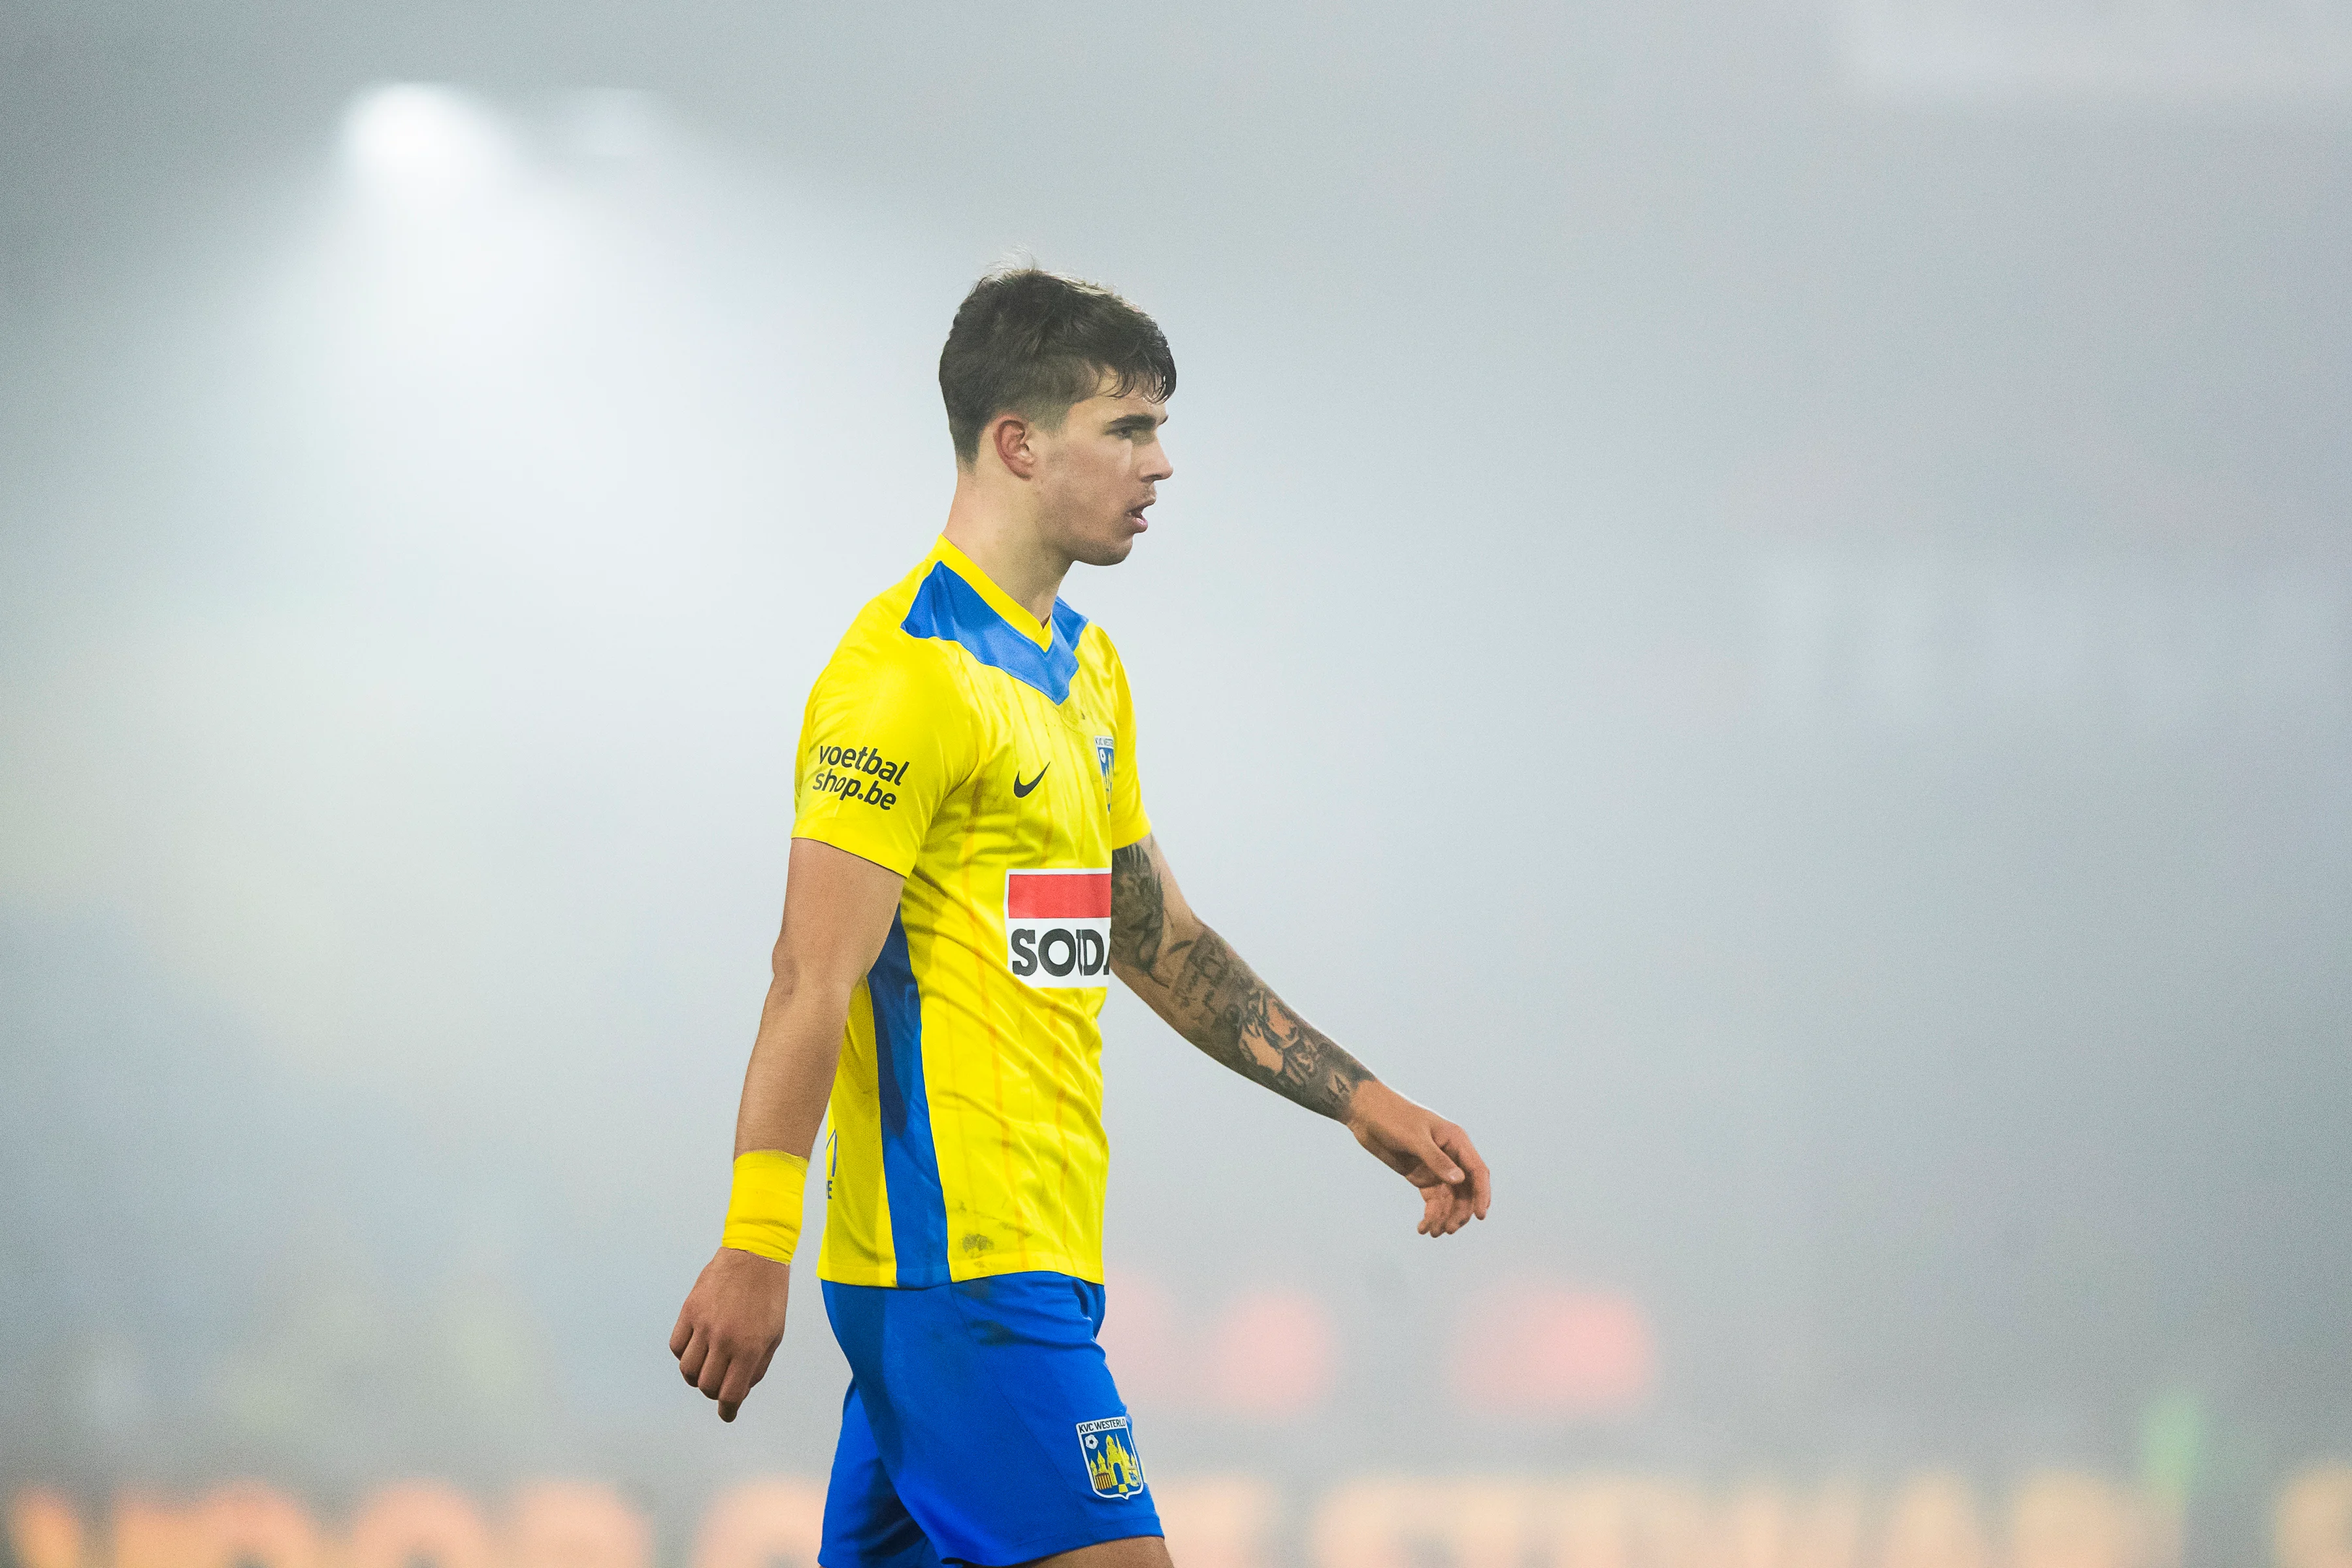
(969,865)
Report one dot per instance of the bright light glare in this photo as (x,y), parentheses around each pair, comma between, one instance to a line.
(422,140)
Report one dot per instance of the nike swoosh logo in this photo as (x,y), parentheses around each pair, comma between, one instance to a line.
(1021,789)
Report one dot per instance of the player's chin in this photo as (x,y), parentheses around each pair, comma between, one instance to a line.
(1108,552)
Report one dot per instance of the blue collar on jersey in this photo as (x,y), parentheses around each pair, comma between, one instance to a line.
(949,608)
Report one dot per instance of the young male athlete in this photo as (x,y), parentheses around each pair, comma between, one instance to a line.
(970,864)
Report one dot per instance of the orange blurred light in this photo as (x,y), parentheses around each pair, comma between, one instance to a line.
(576,1525)
(43,1532)
(398,1525)
(764,1524)
(2313,1528)
(1934,1522)
(1273,1356)
(1536,1348)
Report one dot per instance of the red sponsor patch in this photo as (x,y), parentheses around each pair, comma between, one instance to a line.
(1057,895)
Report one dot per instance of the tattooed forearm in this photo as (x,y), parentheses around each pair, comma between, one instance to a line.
(1221,1005)
(1213,998)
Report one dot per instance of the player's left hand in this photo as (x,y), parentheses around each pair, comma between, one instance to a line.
(1426,1150)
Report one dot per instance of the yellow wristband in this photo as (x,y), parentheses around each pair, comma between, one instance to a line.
(763,1212)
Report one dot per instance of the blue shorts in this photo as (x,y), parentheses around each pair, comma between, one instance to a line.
(980,1427)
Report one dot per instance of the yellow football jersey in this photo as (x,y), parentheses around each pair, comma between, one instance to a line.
(992,760)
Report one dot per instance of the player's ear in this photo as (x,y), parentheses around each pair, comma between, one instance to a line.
(1011,436)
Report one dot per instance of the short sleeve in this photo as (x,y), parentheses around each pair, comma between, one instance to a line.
(887,736)
(1127,822)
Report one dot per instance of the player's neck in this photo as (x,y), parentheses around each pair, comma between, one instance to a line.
(1007,546)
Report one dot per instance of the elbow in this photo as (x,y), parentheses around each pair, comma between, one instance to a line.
(789,974)
(793,980)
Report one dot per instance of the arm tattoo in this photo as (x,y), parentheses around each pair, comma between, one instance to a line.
(1139,907)
(1214,999)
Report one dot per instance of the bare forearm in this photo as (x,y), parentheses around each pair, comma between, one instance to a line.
(1207,993)
(790,1079)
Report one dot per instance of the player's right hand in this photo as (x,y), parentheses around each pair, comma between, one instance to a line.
(730,1327)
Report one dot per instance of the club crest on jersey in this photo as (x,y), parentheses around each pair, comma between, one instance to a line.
(1113,1468)
(1057,928)
(1104,748)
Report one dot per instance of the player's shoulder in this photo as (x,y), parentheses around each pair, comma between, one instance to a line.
(1090,640)
(880,644)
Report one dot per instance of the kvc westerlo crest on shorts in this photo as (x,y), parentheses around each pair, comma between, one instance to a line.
(1113,1467)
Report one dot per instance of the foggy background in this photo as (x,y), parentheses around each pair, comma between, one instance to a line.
(1755,603)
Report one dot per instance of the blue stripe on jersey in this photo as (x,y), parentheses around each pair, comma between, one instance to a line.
(910,1162)
(949,608)
(1068,627)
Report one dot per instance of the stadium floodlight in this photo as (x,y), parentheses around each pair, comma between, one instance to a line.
(423,141)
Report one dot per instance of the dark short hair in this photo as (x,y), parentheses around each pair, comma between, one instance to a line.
(1033,344)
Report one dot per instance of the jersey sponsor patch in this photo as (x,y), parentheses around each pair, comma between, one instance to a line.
(1113,1468)
(1057,927)
(839,767)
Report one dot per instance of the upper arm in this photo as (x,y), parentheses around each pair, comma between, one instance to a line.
(837,913)
(886,737)
(1129,824)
